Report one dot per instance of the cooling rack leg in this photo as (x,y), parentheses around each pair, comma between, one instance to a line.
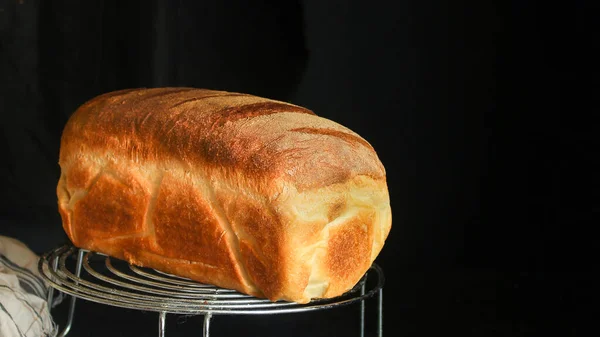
(161,323)
(380,314)
(206,329)
(51,289)
(362,310)
(73,298)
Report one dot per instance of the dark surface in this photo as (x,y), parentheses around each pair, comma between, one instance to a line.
(452,303)
(478,110)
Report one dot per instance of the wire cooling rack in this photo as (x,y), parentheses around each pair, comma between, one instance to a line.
(119,284)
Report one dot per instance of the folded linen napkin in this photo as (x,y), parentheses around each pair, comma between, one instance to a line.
(24,310)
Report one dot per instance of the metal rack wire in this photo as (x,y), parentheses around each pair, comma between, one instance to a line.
(119,284)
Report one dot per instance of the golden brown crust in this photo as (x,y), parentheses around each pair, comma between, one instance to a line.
(230,189)
(248,133)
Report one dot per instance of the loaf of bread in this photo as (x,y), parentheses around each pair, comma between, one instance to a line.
(227,189)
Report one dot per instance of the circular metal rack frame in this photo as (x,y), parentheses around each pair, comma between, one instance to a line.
(119,284)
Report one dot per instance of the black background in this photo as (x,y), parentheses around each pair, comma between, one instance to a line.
(478,110)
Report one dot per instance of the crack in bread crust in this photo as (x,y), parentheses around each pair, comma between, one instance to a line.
(121,237)
(149,229)
(196,99)
(232,238)
(182,261)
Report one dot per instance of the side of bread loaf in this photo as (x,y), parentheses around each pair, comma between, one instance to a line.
(224,188)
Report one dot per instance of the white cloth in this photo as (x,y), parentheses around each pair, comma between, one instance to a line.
(24,310)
